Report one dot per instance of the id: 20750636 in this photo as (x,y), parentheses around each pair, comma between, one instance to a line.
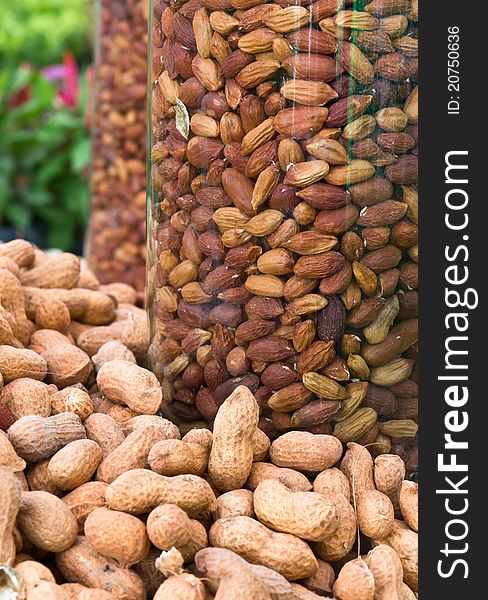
(453,70)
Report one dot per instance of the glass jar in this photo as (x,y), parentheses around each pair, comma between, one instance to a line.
(116,241)
(283,213)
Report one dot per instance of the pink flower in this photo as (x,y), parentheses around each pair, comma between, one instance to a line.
(68,75)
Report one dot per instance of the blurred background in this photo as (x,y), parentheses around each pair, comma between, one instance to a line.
(46,53)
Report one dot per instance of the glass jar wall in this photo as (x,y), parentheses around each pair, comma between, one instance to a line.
(283,213)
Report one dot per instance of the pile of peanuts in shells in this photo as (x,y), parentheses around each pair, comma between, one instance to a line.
(105,498)
(283,250)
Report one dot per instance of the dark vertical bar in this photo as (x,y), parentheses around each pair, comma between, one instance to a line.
(441,133)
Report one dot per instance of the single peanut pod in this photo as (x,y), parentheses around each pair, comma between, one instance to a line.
(231,456)
(83,564)
(305,451)
(117,535)
(20,362)
(168,526)
(85,499)
(340,542)
(405,542)
(66,365)
(240,582)
(105,431)
(387,571)
(332,481)
(74,464)
(74,400)
(59,271)
(87,306)
(25,396)
(215,564)
(37,438)
(285,553)
(375,514)
(132,453)
(235,503)
(293,480)
(9,459)
(307,515)
(357,466)
(46,521)
(176,457)
(140,490)
(39,479)
(183,586)
(10,504)
(389,473)
(354,582)
(122,382)
(21,252)
(409,504)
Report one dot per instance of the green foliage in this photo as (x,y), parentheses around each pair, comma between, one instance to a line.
(44,156)
(40,31)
